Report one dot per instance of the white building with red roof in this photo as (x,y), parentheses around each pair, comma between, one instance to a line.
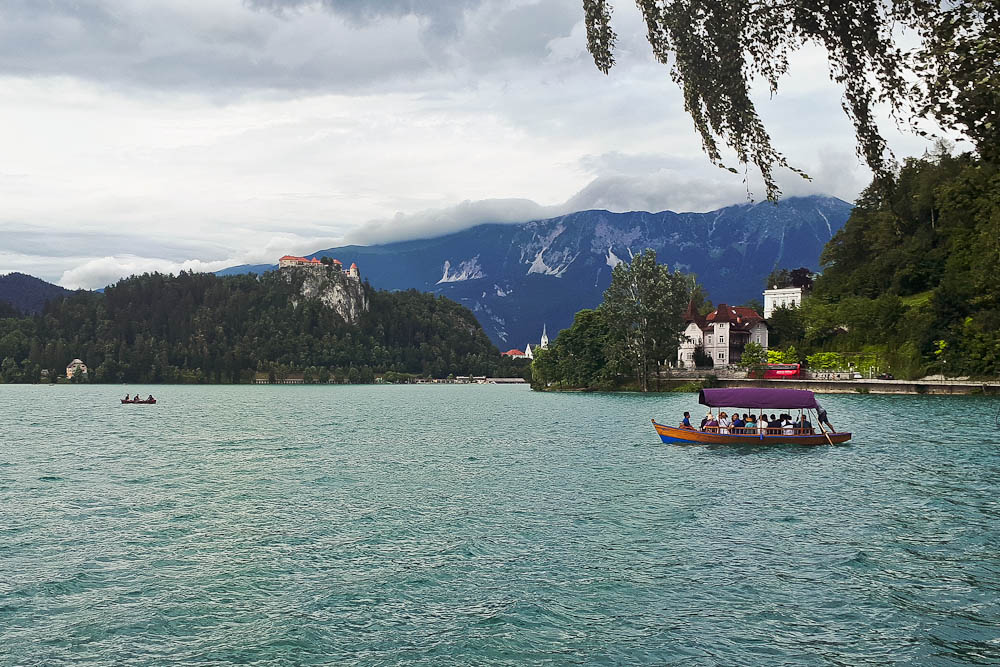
(514,353)
(721,334)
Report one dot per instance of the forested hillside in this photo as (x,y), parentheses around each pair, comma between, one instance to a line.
(913,276)
(203,328)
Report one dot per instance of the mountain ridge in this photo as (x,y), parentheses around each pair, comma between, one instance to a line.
(520,277)
(28,294)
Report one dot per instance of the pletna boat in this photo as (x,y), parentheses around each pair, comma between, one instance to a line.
(748,399)
(145,401)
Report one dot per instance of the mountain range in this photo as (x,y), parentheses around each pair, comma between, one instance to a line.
(28,294)
(519,278)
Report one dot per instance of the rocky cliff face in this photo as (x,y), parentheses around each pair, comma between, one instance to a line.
(330,287)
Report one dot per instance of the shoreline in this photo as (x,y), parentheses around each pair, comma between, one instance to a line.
(864,386)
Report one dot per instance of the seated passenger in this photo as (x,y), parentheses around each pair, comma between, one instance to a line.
(737,424)
(787,425)
(711,423)
(686,422)
(762,424)
(724,423)
(807,428)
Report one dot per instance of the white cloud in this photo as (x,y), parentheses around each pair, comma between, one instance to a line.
(237,131)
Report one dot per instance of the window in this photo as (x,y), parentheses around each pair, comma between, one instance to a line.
(722,355)
(721,340)
(708,340)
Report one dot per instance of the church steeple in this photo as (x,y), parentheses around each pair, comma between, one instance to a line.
(545,338)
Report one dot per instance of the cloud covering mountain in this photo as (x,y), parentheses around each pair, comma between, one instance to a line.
(160,134)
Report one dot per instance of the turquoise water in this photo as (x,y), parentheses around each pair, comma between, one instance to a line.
(487,524)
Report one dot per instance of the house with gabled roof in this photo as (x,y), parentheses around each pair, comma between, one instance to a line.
(722,334)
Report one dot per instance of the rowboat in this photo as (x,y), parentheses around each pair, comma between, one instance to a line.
(747,399)
(145,401)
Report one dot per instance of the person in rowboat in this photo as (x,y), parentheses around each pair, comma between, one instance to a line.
(686,422)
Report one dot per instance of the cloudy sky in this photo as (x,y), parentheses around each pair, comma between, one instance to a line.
(146,135)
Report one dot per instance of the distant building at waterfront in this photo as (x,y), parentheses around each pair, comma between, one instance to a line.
(778,297)
(271,378)
(543,344)
(514,353)
(74,367)
(722,335)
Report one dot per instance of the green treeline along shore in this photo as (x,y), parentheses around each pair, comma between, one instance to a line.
(200,328)
(910,286)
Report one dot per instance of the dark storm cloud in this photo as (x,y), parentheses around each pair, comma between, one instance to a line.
(441,16)
(220,46)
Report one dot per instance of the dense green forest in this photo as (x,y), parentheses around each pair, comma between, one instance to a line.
(197,327)
(910,283)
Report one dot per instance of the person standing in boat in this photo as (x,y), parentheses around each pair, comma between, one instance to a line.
(724,423)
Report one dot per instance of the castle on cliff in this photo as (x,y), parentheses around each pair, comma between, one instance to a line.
(291,261)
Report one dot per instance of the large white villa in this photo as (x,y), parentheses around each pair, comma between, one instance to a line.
(778,297)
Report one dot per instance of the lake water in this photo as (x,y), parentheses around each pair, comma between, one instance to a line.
(487,524)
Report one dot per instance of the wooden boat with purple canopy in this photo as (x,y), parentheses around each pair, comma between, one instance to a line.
(748,399)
